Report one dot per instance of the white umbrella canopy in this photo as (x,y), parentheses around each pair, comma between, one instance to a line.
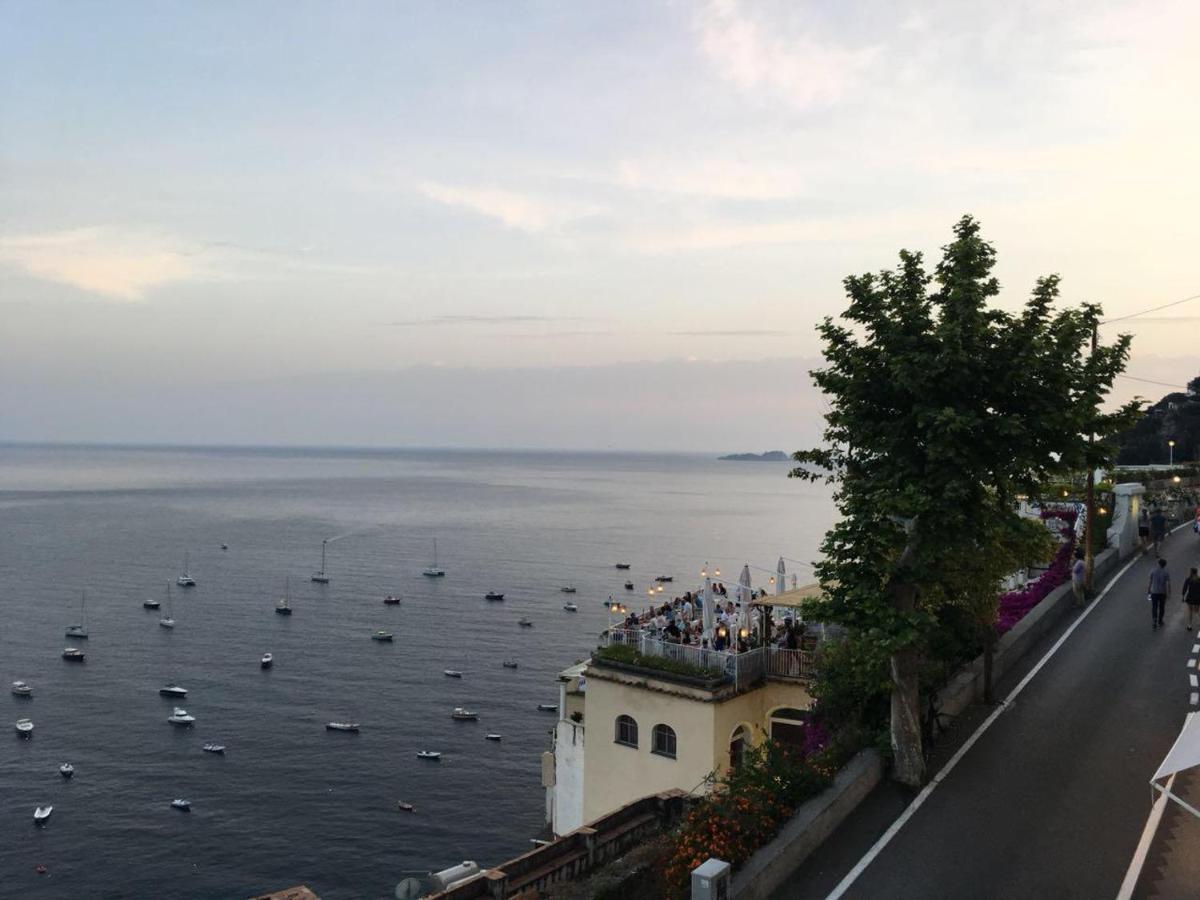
(707,617)
(745,595)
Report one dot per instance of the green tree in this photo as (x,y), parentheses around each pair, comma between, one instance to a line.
(943,410)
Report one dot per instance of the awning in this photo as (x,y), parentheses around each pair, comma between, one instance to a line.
(1184,754)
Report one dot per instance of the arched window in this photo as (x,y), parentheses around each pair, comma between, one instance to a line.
(663,741)
(627,731)
(787,726)
(737,746)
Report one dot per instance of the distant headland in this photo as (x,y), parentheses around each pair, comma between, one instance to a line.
(769,456)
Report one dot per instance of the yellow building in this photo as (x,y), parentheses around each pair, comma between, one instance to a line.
(627,730)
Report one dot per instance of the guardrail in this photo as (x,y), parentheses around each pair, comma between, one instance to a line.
(743,669)
(784,663)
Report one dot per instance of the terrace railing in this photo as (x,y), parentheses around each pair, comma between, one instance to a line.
(743,669)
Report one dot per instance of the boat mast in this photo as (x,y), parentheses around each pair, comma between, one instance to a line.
(435,553)
(323,543)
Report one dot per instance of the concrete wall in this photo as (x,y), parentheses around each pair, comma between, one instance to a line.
(769,868)
(752,708)
(1127,509)
(569,766)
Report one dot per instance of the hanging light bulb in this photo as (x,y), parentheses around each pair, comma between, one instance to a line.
(717,573)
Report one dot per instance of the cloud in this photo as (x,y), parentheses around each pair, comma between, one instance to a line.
(482,320)
(521,211)
(746,332)
(716,178)
(114,263)
(798,69)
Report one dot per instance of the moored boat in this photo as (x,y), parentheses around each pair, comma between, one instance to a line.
(41,814)
(266,661)
(452,673)
(66,770)
(24,727)
(493,595)
(172,690)
(319,576)
(510,664)
(525,623)
(73,654)
(570,607)
(629,585)
(80,631)
(428,754)
(548,707)
(622,565)
(284,606)
(382,636)
(21,689)
(185,578)
(664,578)
(213,748)
(180,716)
(464,715)
(341,726)
(567,589)
(181,804)
(434,571)
(391,600)
(405,807)
(492,736)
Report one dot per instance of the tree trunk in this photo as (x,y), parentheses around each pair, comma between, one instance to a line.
(908,758)
(989,656)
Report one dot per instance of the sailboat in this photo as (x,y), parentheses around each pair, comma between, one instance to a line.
(185,579)
(319,576)
(168,621)
(284,606)
(79,631)
(433,571)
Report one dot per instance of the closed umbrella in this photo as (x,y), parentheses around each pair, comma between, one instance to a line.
(707,617)
(744,595)
(780,576)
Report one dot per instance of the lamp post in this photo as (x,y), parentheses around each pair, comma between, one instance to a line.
(1171,448)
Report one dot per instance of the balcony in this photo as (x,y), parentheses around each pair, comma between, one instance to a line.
(642,651)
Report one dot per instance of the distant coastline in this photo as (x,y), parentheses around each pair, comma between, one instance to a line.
(769,456)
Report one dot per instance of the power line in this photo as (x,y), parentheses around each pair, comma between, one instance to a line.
(1151,381)
(1152,309)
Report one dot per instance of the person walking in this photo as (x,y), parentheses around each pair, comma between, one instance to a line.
(1079,578)
(1160,589)
(1158,529)
(1191,595)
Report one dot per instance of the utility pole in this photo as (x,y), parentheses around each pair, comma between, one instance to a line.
(1090,514)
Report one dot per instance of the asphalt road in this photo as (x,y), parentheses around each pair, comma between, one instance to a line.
(1052,800)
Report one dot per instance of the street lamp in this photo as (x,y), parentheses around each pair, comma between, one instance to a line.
(1171,445)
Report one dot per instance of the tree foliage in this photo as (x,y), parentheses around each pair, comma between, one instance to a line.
(943,409)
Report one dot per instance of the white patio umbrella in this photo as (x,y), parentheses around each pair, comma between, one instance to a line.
(745,594)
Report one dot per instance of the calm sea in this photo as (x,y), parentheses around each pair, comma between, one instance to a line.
(291,802)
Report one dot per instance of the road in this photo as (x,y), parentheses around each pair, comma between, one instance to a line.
(1052,799)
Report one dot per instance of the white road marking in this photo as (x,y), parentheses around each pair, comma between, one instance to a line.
(1192,663)
(1195,680)
(1143,848)
(1195,698)
(909,811)
(1196,648)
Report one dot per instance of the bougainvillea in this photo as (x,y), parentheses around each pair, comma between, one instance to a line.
(1015,605)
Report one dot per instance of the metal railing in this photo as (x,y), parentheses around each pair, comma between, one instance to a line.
(743,669)
(784,663)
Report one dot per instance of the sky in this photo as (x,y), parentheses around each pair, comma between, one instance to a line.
(546,224)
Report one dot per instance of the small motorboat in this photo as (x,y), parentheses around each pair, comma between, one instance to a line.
(181,804)
(382,636)
(77,631)
(629,585)
(167,621)
(405,807)
(464,715)
(342,726)
(66,770)
(622,565)
(570,607)
(492,736)
(266,660)
(21,689)
(41,814)
(224,546)
(151,604)
(493,595)
(567,589)
(525,623)
(548,707)
(283,608)
(180,716)
(452,673)
(664,578)
(172,690)
(214,748)
(24,727)
(391,600)
(510,664)
(428,754)
(73,654)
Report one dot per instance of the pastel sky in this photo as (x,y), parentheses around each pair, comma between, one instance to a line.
(552,224)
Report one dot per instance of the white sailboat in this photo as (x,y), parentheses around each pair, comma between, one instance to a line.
(284,606)
(185,579)
(80,631)
(434,571)
(319,576)
(168,621)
